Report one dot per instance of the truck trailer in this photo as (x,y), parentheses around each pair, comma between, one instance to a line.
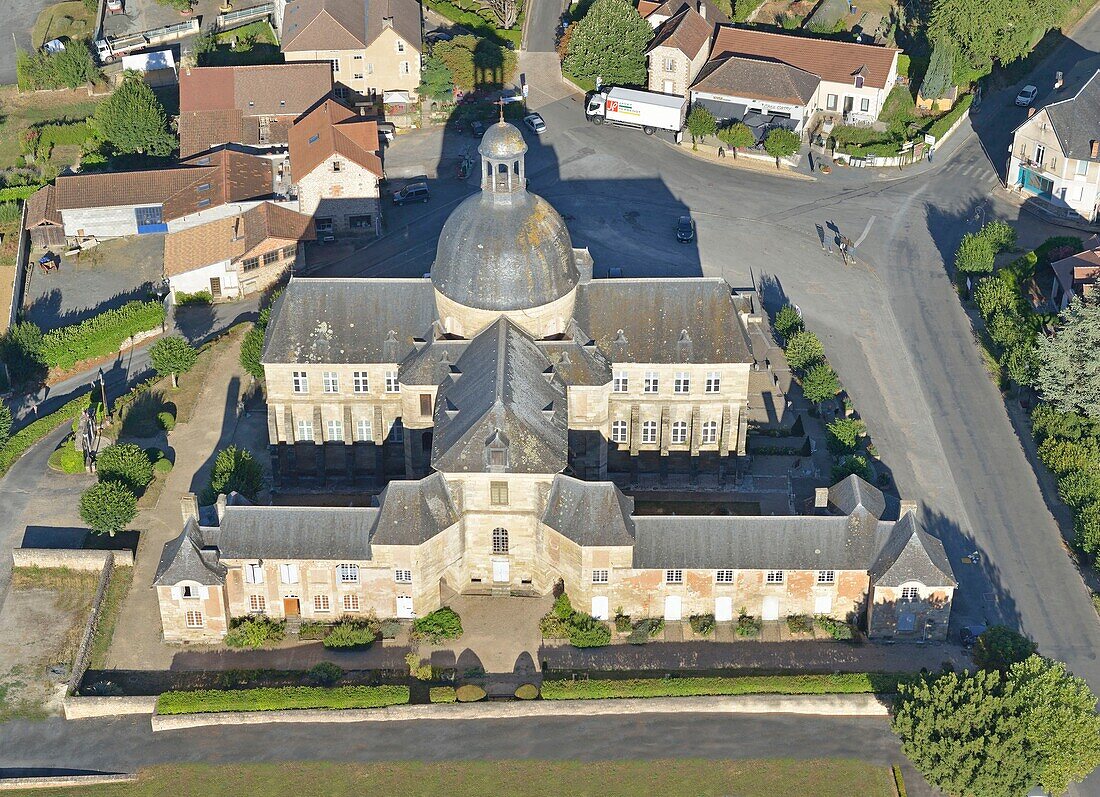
(649,110)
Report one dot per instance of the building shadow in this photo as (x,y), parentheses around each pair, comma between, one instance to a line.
(50,310)
(225,437)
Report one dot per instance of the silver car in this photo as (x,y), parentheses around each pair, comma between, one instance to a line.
(535,122)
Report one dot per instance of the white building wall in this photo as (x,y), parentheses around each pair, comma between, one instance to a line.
(199,280)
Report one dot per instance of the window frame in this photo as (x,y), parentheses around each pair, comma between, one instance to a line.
(193,618)
(618,426)
(651,383)
(334,431)
(330,382)
(601,575)
(360,382)
(349,602)
(678,433)
(392,385)
(674,575)
(825,577)
(723,576)
(681,383)
(253,573)
(500,541)
(708,433)
(322,604)
(909,594)
(713,383)
(831,101)
(402,575)
(650,434)
(288,573)
(299,382)
(775,577)
(347,573)
(498,493)
(257,604)
(305,431)
(361,425)
(620,382)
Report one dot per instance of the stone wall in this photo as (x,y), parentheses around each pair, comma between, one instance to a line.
(77,708)
(338,195)
(73,559)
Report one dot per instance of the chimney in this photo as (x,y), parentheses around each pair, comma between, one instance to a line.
(821,498)
(702,9)
(1094,148)
(1031,112)
(220,506)
(906,507)
(387,22)
(189,507)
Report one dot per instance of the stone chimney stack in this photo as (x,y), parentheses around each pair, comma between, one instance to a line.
(1094,149)
(189,507)
(220,506)
(702,9)
(821,498)
(906,507)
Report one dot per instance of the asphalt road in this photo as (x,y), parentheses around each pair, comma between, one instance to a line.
(18,17)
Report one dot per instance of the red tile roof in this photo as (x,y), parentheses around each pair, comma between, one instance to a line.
(328,129)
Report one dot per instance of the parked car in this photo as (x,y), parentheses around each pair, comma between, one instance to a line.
(438,36)
(535,122)
(53,46)
(477,129)
(386,131)
(1026,96)
(685,229)
(413,192)
(115,7)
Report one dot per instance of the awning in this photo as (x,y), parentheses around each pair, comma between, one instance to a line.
(395,97)
(723,110)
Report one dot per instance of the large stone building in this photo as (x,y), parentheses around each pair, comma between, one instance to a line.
(503,391)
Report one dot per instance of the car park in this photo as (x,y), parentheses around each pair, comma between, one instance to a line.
(413,192)
(535,122)
(1026,96)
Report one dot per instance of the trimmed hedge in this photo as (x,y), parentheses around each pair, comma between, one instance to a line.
(30,434)
(202,701)
(99,335)
(842,683)
(442,694)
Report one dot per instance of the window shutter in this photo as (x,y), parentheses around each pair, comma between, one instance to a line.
(204,592)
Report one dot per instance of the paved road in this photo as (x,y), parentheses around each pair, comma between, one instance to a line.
(19,17)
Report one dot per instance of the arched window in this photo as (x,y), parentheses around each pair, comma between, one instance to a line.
(503,168)
(515,167)
(500,540)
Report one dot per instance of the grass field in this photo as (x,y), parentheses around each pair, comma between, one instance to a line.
(69,19)
(677,778)
(23,111)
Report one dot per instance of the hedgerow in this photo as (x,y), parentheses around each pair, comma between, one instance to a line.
(839,683)
(203,701)
(99,335)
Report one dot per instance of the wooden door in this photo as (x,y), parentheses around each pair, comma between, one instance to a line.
(291,607)
(216,287)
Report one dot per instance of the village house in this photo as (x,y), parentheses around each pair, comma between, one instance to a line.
(248,105)
(1077,275)
(374,47)
(498,397)
(678,50)
(237,255)
(336,169)
(1055,158)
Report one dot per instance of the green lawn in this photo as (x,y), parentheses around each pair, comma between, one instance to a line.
(256,44)
(669,778)
(18,112)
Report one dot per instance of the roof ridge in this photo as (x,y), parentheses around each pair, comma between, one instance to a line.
(735,26)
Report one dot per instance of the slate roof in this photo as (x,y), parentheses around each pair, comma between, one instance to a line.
(835,61)
(757,79)
(331,129)
(911,554)
(347,24)
(663,320)
(431,364)
(852,493)
(589,513)
(577,362)
(183,560)
(349,320)
(286,532)
(1076,120)
(412,512)
(687,31)
(500,393)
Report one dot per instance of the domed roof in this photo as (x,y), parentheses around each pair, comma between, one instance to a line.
(502,141)
(504,253)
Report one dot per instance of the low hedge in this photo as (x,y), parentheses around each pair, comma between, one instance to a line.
(202,701)
(99,335)
(842,683)
(442,694)
(30,434)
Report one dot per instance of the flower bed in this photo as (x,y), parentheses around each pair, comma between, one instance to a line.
(280,698)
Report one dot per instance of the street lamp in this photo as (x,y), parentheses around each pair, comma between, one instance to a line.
(103,398)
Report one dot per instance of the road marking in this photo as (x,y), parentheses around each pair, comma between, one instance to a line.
(866,230)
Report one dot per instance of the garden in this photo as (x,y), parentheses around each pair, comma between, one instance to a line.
(500,21)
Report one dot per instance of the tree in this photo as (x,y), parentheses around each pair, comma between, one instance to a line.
(5,422)
(68,68)
(173,355)
(506,12)
(436,80)
(107,507)
(788,321)
(844,435)
(975,254)
(803,350)
(126,463)
(820,383)
(609,43)
(252,348)
(939,77)
(21,351)
(1065,456)
(1000,235)
(994,295)
(700,123)
(1068,373)
(737,135)
(476,63)
(235,470)
(999,647)
(205,45)
(133,120)
(1086,528)
(856,464)
(1020,363)
(781,143)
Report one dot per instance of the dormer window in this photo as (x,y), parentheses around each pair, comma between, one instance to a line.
(496,452)
(859,81)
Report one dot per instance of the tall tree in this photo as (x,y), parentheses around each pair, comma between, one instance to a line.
(436,80)
(781,143)
(700,123)
(1069,362)
(133,120)
(939,77)
(736,136)
(609,43)
(506,12)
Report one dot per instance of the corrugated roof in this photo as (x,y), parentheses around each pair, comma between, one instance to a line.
(663,320)
(758,79)
(331,129)
(589,513)
(687,32)
(835,61)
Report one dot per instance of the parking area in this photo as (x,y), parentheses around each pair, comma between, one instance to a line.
(99,278)
(139,15)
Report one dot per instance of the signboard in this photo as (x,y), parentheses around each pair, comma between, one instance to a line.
(929,139)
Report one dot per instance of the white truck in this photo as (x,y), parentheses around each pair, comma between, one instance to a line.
(648,110)
(111,48)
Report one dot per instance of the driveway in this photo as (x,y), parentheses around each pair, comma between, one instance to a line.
(19,17)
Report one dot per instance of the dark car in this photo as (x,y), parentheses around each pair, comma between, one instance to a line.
(685,229)
(969,634)
(413,192)
(477,129)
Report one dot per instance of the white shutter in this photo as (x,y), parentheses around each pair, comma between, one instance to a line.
(177,593)
(204,592)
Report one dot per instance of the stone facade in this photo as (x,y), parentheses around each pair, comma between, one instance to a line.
(672,71)
(340,195)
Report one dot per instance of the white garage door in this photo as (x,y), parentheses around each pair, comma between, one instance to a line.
(723,609)
(599,607)
(771,608)
(672,608)
(823,604)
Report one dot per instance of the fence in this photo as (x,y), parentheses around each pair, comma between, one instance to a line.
(19,281)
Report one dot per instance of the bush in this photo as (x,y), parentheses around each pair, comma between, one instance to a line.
(324,673)
(350,634)
(788,322)
(254,632)
(562,608)
(646,629)
(68,68)
(67,459)
(99,335)
(311,630)
(844,435)
(856,464)
(108,507)
(163,466)
(553,627)
(281,698)
(235,470)
(702,624)
(442,694)
(527,692)
(835,628)
(421,671)
(198,297)
(840,683)
(469,693)
(975,254)
(440,625)
(166,420)
(999,647)
(622,623)
(21,350)
(126,463)
(585,631)
(803,350)
(389,629)
(748,626)
(820,383)
(252,350)
(800,624)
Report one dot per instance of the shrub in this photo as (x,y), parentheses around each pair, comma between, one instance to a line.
(166,420)
(702,624)
(67,459)
(562,609)
(839,683)
(421,671)
(527,692)
(107,507)
(835,628)
(622,623)
(999,647)
(163,466)
(389,629)
(126,463)
(469,693)
(788,321)
(198,297)
(99,335)
(325,673)
(350,634)
(235,470)
(844,435)
(173,355)
(553,627)
(440,625)
(748,626)
(800,624)
(820,383)
(1000,235)
(856,464)
(585,631)
(975,254)
(442,694)
(803,350)
(252,350)
(281,698)
(21,350)
(254,632)
(313,630)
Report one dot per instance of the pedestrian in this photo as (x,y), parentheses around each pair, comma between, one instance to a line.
(810,159)
(721,152)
